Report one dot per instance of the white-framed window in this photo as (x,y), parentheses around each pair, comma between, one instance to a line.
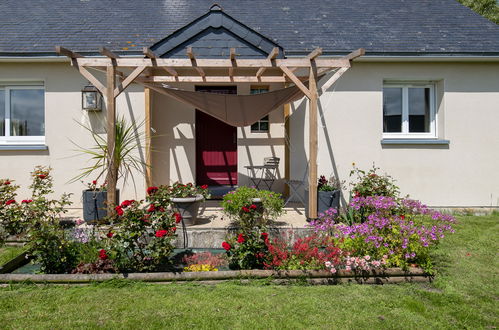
(409,110)
(263,125)
(22,114)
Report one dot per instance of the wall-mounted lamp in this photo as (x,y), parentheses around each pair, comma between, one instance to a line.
(91,98)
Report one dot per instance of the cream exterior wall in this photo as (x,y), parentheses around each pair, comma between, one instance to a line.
(464,173)
(174,145)
(63,112)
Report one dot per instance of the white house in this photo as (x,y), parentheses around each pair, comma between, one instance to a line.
(422,103)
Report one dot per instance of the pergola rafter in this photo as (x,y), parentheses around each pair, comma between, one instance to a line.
(151,69)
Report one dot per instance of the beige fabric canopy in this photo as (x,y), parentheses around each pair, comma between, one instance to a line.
(236,110)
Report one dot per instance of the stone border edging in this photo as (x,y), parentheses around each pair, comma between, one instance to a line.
(391,275)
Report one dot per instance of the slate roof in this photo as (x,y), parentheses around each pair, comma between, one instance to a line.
(386,27)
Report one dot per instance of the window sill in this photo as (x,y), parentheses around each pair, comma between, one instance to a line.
(414,142)
(23,147)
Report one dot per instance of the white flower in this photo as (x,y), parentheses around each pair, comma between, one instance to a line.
(328,264)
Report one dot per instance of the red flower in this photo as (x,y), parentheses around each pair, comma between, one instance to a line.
(253,207)
(245,209)
(402,217)
(151,208)
(119,210)
(226,246)
(94,182)
(240,238)
(126,203)
(161,209)
(205,186)
(265,236)
(151,190)
(102,254)
(146,218)
(42,176)
(178,217)
(110,234)
(6,183)
(27,201)
(174,229)
(10,201)
(161,233)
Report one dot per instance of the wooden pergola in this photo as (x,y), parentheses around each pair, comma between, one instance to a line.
(150,70)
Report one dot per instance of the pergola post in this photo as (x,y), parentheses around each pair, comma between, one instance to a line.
(112,173)
(312,158)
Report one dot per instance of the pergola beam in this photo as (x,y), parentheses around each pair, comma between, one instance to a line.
(315,53)
(106,52)
(232,56)
(297,81)
(214,63)
(220,79)
(193,60)
(273,54)
(128,80)
(66,52)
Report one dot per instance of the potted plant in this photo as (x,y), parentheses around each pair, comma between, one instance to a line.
(128,138)
(94,201)
(186,199)
(250,208)
(328,194)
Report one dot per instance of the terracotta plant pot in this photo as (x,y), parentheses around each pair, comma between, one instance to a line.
(188,207)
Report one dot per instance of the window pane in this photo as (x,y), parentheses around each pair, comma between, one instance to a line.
(255,126)
(419,110)
(392,110)
(27,112)
(2,113)
(264,126)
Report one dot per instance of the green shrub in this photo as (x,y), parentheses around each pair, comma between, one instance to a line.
(371,183)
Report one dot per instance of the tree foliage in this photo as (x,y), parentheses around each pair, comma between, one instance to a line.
(487,8)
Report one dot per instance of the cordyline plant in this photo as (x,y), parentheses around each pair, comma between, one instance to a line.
(128,139)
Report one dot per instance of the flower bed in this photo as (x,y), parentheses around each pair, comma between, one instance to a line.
(375,234)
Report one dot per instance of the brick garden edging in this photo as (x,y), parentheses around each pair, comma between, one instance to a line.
(386,276)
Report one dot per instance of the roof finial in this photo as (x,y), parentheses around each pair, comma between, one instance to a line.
(216,6)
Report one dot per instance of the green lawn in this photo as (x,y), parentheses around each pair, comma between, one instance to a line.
(464,295)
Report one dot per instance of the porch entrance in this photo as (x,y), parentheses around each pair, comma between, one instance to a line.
(216,146)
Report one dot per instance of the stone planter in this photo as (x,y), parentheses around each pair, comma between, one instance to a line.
(188,207)
(325,200)
(94,204)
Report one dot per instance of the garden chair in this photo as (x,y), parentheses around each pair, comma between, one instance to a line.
(294,188)
(264,175)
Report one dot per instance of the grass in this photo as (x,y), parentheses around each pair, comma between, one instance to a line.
(9,252)
(463,295)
